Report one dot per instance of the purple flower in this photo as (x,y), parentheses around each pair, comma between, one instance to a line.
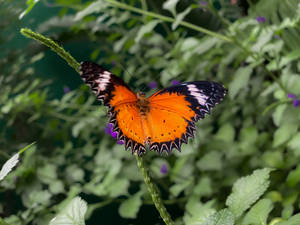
(163,169)
(203,3)
(120,142)
(292,96)
(261,19)
(66,89)
(152,85)
(175,82)
(296,102)
(109,130)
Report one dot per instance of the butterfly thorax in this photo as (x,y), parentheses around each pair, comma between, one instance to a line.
(142,103)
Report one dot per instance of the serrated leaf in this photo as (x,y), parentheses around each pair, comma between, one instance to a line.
(258,214)
(9,165)
(247,190)
(130,207)
(223,217)
(146,29)
(73,214)
(240,80)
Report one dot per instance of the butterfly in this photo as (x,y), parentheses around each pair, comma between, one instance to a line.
(160,122)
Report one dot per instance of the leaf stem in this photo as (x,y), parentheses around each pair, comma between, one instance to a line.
(169,19)
(53,45)
(153,190)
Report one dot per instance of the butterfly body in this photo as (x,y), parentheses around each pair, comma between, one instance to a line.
(160,122)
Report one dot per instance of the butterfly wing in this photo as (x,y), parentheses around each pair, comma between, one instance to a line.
(115,94)
(108,88)
(174,111)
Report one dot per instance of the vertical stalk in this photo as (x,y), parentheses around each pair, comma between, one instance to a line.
(153,190)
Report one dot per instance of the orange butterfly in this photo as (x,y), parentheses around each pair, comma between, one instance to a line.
(162,121)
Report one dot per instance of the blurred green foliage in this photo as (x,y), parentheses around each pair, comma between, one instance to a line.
(221,177)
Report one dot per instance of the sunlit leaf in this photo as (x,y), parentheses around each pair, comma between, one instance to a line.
(30,5)
(247,190)
(223,217)
(73,214)
(179,17)
(171,6)
(146,29)
(258,214)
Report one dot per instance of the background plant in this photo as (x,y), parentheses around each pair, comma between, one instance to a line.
(257,126)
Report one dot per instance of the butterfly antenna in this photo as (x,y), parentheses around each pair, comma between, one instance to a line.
(124,68)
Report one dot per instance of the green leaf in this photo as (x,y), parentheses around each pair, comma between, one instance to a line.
(294,220)
(223,217)
(30,5)
(210,161)
(119,187)
(146,29)
(284,133)
(73,214)
(240,80)
(226,133)
(197,212)
(293,177)
(2,222)
(180,17)
(94,7)
(47,174)
(294,143)
(289,58)
(204,187)
(258,214)
(130,207)
(247,190)
(9,165)
(171,6)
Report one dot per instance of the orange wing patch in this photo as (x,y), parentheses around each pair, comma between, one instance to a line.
(127,122)
(170,122)
(121,95)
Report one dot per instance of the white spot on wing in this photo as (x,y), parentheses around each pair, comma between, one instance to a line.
(196,93)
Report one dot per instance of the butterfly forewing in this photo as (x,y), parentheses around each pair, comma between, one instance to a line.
(108,88)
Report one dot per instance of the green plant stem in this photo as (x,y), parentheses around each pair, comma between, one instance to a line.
(27,147)
(140,162)
(275,104)
(169,19)
(153,191)
(54,47)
